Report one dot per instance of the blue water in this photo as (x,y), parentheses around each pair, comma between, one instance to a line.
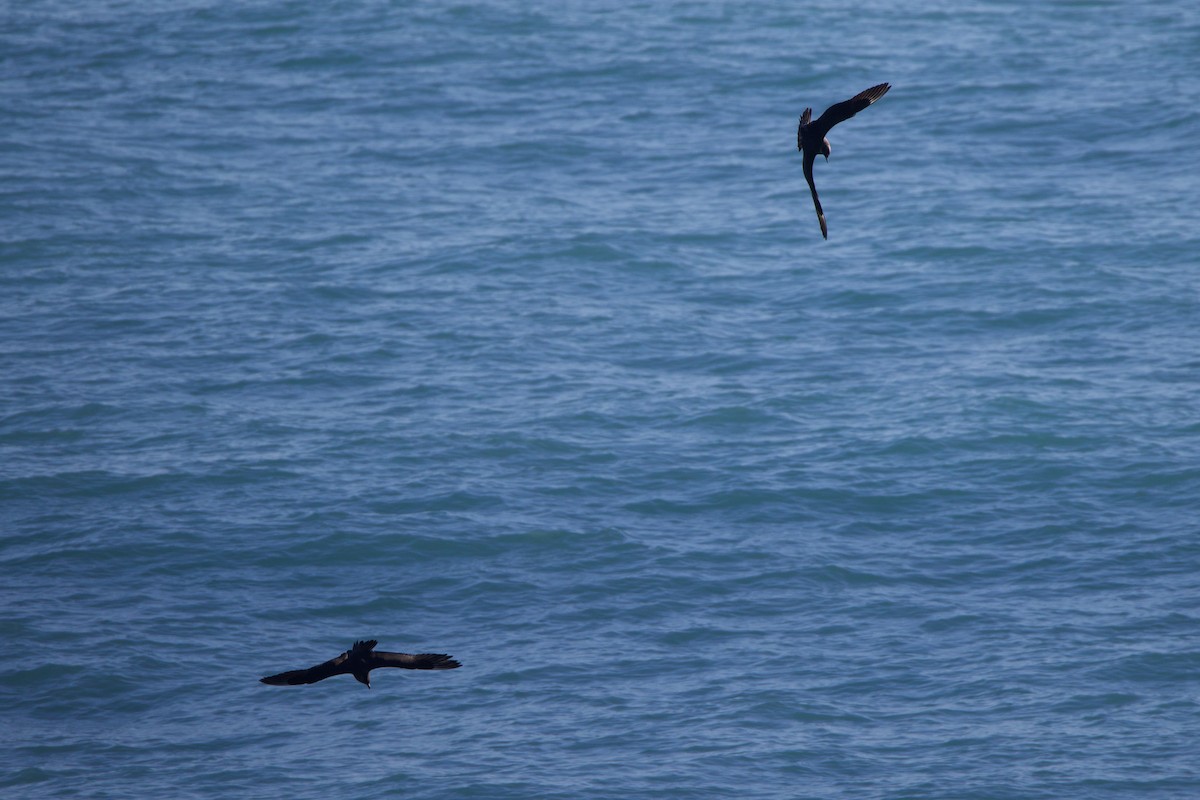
(506,330)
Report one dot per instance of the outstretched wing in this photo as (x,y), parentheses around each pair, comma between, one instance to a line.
(805,118)
(840,112)
(412,661)
(320,672)
(808,165)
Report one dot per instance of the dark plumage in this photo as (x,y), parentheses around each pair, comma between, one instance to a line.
(359,661)
(810,136)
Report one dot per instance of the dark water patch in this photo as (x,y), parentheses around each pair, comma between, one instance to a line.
(1153,667)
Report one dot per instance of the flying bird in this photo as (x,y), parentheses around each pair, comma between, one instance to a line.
(359,661)
(811,141)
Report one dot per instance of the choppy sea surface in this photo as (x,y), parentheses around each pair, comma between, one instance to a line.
(506,330)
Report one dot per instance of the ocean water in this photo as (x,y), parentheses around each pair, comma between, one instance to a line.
(506,330)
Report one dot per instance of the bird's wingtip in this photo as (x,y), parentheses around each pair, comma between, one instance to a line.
(440,661)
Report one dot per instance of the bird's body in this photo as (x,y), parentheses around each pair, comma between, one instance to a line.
(359,661)
(811,141)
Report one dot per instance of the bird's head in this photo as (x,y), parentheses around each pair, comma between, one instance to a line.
(825,148)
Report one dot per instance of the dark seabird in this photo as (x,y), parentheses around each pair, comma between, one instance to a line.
(810,136)
(359,661)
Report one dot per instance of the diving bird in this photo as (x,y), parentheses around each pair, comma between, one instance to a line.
(811,141)
(359,661)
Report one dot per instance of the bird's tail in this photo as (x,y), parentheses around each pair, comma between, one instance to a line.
(817,204)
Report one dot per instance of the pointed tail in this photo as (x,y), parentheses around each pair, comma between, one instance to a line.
(808,162)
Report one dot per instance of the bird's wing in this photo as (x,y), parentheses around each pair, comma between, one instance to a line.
(311,675)
(805,118)
(840,112)
(808,165)
(412,661)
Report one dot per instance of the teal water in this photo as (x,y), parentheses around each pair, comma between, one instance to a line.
(507,331)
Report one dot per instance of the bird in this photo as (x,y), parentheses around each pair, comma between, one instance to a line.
(811,141)
(358,661)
